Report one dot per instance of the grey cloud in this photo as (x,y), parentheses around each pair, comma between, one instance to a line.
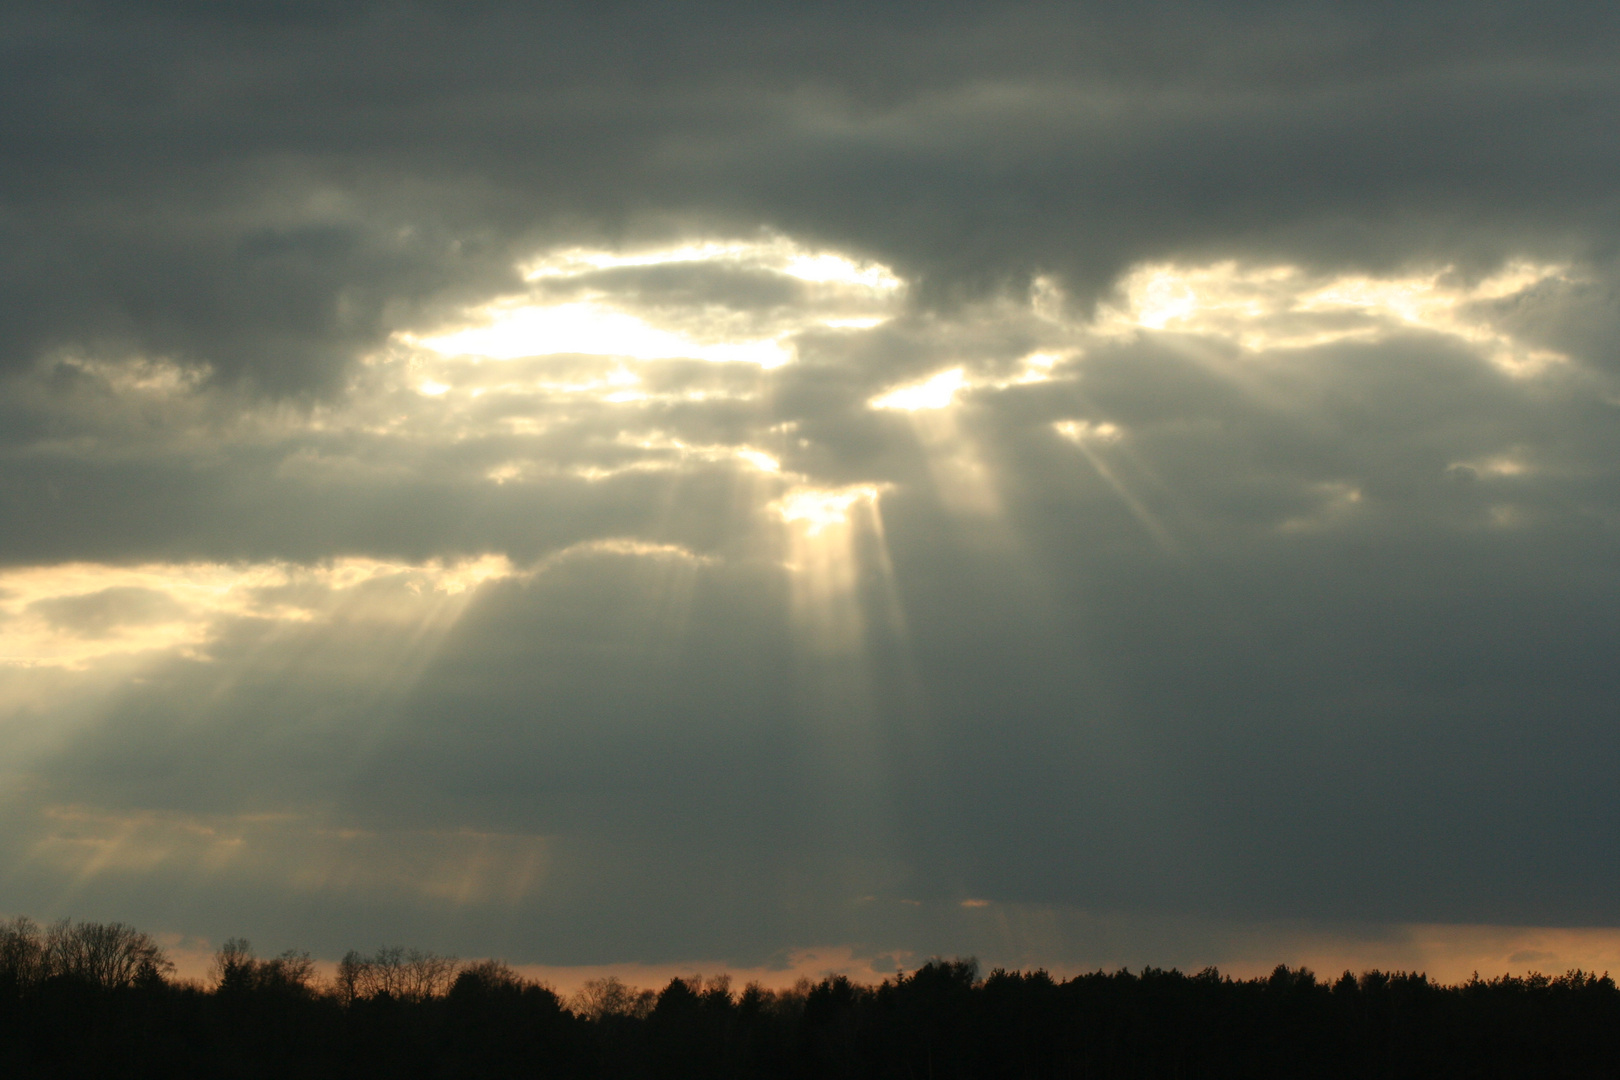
(1318,632)
(172,480)
(272,197)
(1296,738)
(1323,723)
(1580,317)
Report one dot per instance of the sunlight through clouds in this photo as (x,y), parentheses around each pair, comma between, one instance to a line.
(611,425)
(821,527)
(817,509)
(520,329)
(777,253)
(76,614)
(935,392)
(613,344)
(620,311)
(1091,439)
(713,481)
(961,479)
(1284,307)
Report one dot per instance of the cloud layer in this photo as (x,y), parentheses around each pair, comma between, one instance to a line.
(649,489)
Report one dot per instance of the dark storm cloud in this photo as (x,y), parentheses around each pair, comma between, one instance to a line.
(270,191)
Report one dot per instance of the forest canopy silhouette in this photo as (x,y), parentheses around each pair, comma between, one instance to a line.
(101,999)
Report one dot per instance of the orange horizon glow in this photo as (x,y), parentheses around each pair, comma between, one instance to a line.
(1446,953)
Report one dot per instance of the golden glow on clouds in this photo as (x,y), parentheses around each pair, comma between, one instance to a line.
(775,253)
(1283,307)
(935,392)
(618,366)
(74,614)
(820,528)
(512,329)
(839,293)
(622,546)
(744,454)
(1083,431)
(599,408)
(939,391)
(604,402)
(1037,367)
(816,509)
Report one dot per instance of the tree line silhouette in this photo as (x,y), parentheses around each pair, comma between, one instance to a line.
(101,1000)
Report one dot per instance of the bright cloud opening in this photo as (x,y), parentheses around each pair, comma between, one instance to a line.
(1081,431)
(826,534)
(821,508)
(1284,307)
(837,291)
(512,330)
(936,392)
(778,253)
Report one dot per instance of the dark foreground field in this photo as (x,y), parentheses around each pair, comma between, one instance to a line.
(96,1001)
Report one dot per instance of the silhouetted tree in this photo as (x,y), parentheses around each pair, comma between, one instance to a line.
(395,972)
(232,967)
(23,960)
(487,977)
(236,970)
(598,999)
(104,955)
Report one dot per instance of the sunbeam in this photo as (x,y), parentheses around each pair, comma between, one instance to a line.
(1087,438)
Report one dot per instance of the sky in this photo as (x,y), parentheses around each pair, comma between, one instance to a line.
(782,488)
